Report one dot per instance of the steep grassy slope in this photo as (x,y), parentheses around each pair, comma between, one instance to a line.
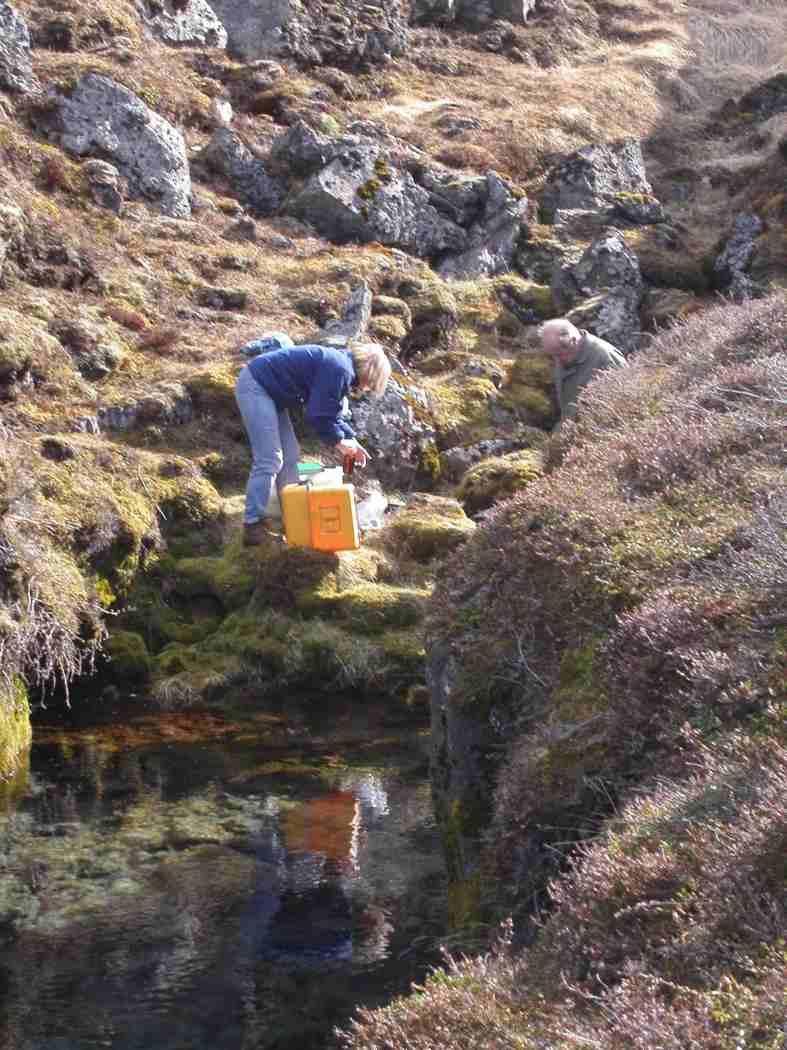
(608,665)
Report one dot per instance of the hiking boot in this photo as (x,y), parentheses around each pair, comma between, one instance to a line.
(257,533)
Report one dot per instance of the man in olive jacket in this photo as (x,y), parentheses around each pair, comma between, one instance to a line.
(577,356)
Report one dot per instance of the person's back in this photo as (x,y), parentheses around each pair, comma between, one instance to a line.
(318,377)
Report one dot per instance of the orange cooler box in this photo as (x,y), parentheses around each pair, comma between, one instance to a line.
(322,517)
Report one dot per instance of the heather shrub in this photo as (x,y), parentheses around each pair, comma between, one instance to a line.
(635,589)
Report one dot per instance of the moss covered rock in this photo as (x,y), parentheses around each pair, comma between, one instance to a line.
(428,528)
(497,478)
(128,658)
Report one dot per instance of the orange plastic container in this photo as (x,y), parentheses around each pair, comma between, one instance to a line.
(322,517)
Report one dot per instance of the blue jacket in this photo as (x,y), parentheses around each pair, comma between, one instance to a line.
(318,377)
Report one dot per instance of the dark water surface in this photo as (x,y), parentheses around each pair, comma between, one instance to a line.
(181,881)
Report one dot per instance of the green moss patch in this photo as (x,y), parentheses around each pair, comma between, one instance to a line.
(15,730)
(527,391)
(128,658)
(430,527)
(498,478)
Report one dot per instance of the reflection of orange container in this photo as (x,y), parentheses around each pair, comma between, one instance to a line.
(321,517)
(322,825)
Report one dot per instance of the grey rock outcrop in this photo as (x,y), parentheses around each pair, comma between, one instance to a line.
(359,197)
(492,239)
(474,13)
(16,68)
(335,33)
(354,320)
(456,461)
(766,99)
(593,177)
(102,118)
(302,150)
(602,290)
(393,433)
(730,268)
(166,403)
(190,24)
(226,154)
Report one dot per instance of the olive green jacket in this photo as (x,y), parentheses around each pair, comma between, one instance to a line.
(595,355)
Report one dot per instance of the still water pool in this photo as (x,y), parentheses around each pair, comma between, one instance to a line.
(185,881)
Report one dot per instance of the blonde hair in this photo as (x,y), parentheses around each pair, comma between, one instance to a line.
(372,367)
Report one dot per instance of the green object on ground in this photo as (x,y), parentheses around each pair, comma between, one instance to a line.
(306,469)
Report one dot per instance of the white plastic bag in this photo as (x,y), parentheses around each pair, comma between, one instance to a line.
(371,510)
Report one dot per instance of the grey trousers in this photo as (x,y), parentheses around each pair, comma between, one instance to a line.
(274,447)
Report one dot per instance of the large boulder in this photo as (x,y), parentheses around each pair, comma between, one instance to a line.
(358,196)
(226,154)
(731,266)
(335,33)
(603,290)
(192,23)
(607,263)
(595,177)
(302,150)
(492,239)
(396,430)
(101,118)
(16,68)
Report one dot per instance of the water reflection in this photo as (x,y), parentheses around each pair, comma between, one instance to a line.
(182,892)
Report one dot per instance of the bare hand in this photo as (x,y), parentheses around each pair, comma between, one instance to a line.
(351,448)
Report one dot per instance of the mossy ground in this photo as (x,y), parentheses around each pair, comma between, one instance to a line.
(497,478)
(15,729)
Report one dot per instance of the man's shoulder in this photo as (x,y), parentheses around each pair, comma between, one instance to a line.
(602,352)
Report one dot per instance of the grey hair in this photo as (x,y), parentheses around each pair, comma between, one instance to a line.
(567,334)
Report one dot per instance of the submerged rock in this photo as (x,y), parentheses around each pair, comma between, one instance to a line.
(101,118)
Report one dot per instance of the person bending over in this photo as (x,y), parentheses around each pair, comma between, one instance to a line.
(283,377)
(576,357)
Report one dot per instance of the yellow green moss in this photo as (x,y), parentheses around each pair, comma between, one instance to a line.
(527,391)
(528,294)
(15,730)
(213,391)
(462,408)
(498,478)
(128,656)
(579,694)
(464,902)
(428,530)
(230,577)
(368,607)
(429,464)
